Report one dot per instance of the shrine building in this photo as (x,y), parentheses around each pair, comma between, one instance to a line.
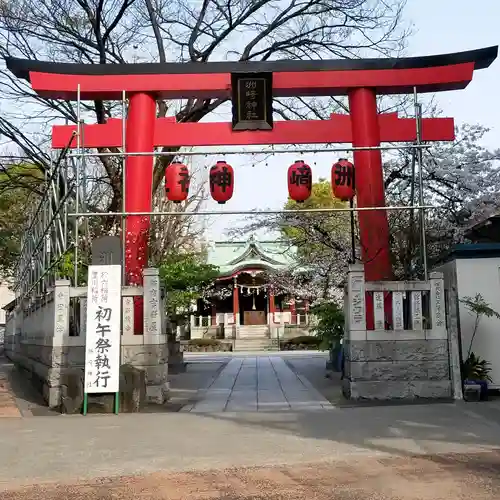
(245,303)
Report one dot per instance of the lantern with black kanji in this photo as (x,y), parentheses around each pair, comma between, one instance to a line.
(177,182)
(343,183)
(221,182)
(299,181)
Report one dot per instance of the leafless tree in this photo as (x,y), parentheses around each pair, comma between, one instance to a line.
(126,31)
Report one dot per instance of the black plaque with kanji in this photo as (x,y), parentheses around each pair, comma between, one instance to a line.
(252,101)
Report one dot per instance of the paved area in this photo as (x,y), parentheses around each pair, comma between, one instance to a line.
(258,383)
(224,449)
(8,406)
(71,448)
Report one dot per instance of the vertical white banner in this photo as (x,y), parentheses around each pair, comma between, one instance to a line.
(102,349)
(397,311)
(416,311)
(378,310)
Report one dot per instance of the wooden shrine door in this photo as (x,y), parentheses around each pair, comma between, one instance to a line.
(254,318)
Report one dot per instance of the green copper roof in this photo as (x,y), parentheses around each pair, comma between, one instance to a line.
(229,257)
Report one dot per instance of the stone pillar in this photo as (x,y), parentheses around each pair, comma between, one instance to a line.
(152,300)
(52,387)
(395,364)
(439,331)
(236,303)
(61,312)
(152,354)
(127,316)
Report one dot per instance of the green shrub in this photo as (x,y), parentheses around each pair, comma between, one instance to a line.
(204,342)
(304,339)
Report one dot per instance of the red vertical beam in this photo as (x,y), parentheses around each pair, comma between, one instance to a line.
(272,306)
(236,302)
(370,192)
(138,192)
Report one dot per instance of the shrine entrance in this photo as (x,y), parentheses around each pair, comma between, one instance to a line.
(251,85)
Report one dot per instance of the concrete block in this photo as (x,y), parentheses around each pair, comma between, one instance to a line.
(420,350)
(132,389)
(157,394)
(366,350)
(389,390)
(386,370)
(72,394)
(145,355)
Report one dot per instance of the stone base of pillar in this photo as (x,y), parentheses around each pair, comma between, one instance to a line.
(396,369)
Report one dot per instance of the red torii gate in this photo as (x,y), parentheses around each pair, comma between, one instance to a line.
(361,80)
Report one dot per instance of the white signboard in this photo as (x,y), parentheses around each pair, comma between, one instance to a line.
(102,349)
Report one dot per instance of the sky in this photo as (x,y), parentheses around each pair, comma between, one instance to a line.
(440,26)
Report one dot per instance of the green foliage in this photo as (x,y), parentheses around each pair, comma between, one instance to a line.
(204,342)
(478,307)
(66,267)
(322,227)
(19,185)
(330,326)
(303,339)
(184,277)
(476,368)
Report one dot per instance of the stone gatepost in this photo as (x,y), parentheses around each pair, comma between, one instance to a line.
(150,350)
(396,363)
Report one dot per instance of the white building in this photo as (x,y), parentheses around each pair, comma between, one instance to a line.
(474,269)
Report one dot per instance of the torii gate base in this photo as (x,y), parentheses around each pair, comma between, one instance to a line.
(361,80)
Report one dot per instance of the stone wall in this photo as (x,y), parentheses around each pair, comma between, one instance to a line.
(396,369)
(396,364)
(38,342)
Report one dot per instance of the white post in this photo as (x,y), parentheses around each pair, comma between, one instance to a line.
(416,311)
(378,310)
(356,302)
(192,320)
(397,311)
(61,312)
(152,320)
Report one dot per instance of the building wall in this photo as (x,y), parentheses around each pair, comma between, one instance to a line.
(473,276)
(6,296)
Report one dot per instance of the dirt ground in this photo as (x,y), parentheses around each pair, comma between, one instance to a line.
(442,477)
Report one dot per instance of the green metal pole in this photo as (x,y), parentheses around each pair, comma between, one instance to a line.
(85,404)
(117,402)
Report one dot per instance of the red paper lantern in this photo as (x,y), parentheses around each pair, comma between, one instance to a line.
(221,182)
(299,181)
(343,182)
(177,181)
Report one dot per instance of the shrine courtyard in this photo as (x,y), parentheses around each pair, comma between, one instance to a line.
(219,446)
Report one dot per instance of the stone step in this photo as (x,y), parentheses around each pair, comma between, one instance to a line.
(257,332)
(248,344)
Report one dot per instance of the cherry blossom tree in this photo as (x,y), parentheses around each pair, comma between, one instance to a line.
(461,181)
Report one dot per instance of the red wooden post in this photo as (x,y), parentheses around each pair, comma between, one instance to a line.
(138,192)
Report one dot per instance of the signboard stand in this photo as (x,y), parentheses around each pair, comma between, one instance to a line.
(103,336)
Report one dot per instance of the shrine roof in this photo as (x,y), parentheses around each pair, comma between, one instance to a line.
(433,73)
(233,256)
(482,58)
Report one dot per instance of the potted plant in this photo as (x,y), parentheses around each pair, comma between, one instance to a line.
(330,331)
(476,371)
